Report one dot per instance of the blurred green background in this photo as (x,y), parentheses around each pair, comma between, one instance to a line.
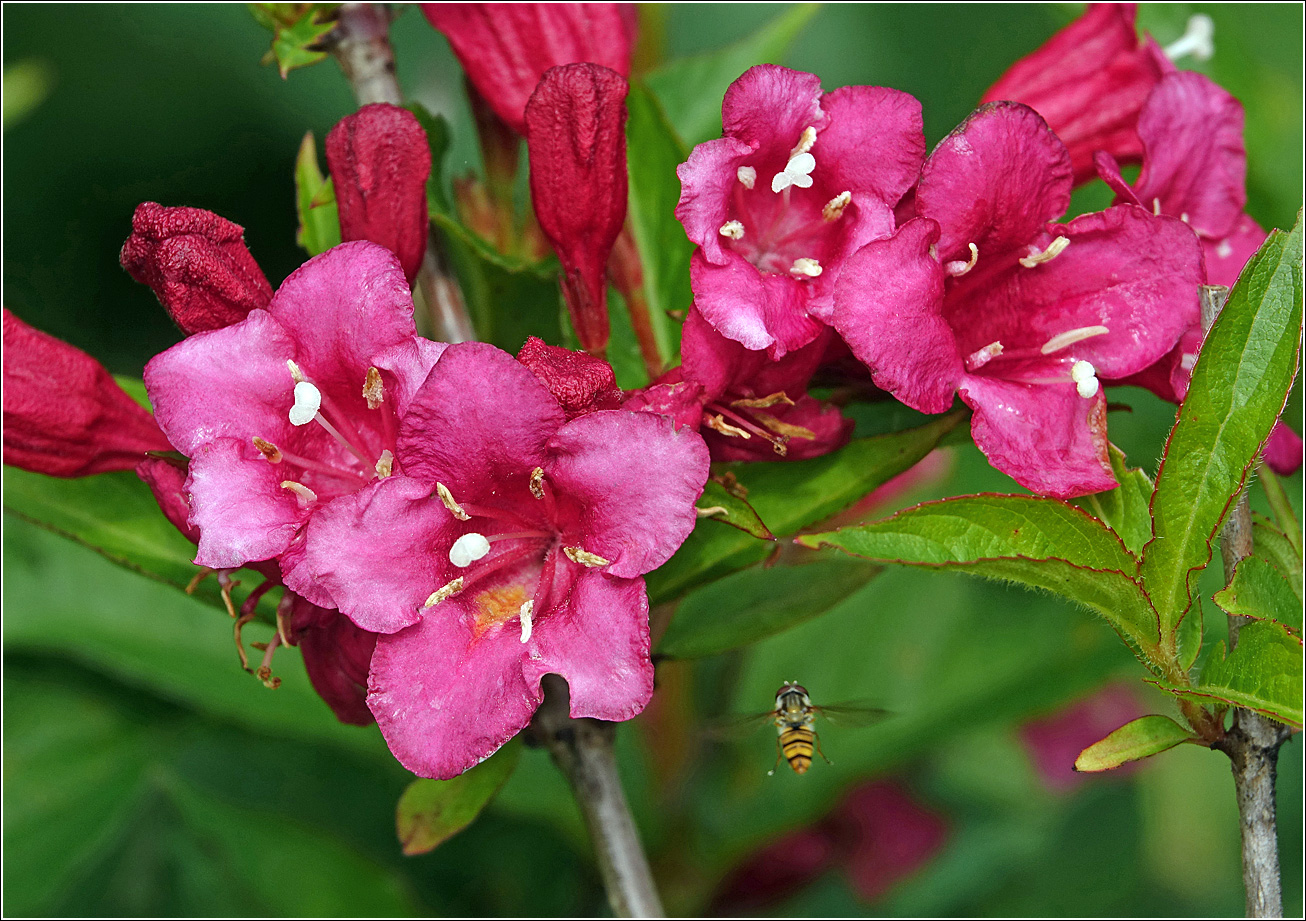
(144,773)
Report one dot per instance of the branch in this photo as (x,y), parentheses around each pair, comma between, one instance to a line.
(1252,744)
(361,43)
(582,750)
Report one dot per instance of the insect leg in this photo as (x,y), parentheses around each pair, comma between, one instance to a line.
(817,739)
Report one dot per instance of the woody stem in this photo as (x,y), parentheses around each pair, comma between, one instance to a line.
(360,42)
(583,750)
(1252,744)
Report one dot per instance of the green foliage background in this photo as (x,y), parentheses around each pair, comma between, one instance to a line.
(146,774)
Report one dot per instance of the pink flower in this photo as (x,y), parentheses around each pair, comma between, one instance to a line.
(576,139)
(512,547)
(380,160)
(505,48)
(1054,742)
(1195,168)
(1089,82)
(981,296)
(746,405)
(337,655)
(798,183)
(64,415)
(197,264)
(293,406)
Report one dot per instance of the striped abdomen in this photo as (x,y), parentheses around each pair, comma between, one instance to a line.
(796,742)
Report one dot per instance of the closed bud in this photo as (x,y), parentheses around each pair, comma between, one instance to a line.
(576,138)
(197,265)
(64,415)
(581,383)
(379,161)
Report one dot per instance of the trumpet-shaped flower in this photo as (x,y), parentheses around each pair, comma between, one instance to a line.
(293,406)
(799,182)
(513,546)
(982,296)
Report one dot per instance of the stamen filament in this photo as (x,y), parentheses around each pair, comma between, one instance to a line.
(521,535)
(321,420)
(320,467)
(1070,337)
(347,426)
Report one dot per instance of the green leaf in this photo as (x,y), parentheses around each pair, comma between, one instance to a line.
(432,811)
(720,504)
(1142,738)
(438,137)
(1238,389)
(1042,543)
(1263,673)
(297,29)
(1277,548)
(691,89)
(791,495)
(747,606)
(27,84)
(1260,591)
(315,199)
(115,515)
(664,250)
(1125,508)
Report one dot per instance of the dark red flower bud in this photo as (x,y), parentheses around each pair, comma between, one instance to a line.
(337,655)
(576,137)
(198,265)
(505,48)
(379,161)
(580,382)
(1089,82)
(64,415)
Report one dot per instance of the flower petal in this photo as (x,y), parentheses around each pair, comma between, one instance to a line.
(1046,437)
(707,182)
(889,309)
(626,484)
(238,505)
(597,639)
(1283,451)
(446,699)
(336,656)
(480,418)
(759,310)
(873,142)
(768,107)
(995,181)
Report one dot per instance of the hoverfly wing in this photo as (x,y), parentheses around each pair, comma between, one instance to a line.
(736,726)
(852,714)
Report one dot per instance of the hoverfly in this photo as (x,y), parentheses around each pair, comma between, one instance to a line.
(794,716)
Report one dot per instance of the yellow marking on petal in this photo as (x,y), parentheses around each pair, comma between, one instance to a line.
(495,606)
(450,503)
(269,451)
(1070,337)
(1055,248)
(373,390)
(584,557)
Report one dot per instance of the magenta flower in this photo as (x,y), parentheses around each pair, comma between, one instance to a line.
(981,296)
(576,139)
(505,48)
(380,160)
(1089,82)
(746,405)
(197,264)
(512,547)
(337,655)
(1195,168)
(292,407)
(798,183)
(64,415)
(1054,742)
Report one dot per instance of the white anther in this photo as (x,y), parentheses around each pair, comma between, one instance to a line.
(305,495)
(1184,217)
(295,374)
(1070,337)
(805,267)
(1054,250)
(1224,249)
(1187,360)
(980,357)
(797,172)
(833,209)
(444,591)
(958,268)
(806,141)
(467,549)
(732,229)
(747,176)
(1198,40)
(1156,207)
(526,610)
(1085,377)
(385,464)
(451,504)
(308,400)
